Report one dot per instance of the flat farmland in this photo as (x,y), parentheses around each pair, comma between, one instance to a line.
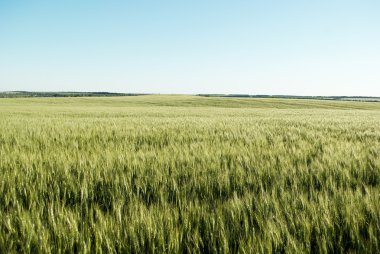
(189,174)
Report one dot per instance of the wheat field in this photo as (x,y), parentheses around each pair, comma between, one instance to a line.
(189,174)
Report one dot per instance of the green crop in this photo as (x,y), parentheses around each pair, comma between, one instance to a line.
(187,174)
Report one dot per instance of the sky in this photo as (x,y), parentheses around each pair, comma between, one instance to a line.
(293,47)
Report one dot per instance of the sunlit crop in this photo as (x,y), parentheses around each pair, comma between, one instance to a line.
(183,174)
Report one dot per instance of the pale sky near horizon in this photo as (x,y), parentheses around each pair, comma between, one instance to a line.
(294,47)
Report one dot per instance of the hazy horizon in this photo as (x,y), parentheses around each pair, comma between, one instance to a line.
(194,94)
(215,47)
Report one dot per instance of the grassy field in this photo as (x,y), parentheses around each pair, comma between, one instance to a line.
(187,174)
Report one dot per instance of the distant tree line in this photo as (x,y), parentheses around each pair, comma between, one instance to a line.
(346,98)
(14,94)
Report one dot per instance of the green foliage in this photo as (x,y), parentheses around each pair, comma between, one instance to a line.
(187,174)
(20,94)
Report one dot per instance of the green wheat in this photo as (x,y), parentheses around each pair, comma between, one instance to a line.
(186,174)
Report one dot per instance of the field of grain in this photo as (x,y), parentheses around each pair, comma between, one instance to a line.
(187,174)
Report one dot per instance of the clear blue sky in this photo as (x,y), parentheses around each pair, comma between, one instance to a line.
(298,47)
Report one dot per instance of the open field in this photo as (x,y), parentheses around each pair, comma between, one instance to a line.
(187,174)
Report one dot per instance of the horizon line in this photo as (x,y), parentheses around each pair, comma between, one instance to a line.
(194,94)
